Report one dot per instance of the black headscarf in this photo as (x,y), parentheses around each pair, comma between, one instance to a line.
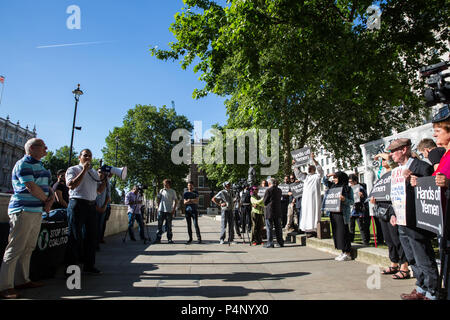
(342,182)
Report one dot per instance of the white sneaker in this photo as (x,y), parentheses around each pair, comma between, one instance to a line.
(338,257)
(344,257)
(222,242)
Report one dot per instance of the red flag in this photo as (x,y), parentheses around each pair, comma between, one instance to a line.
(2,79)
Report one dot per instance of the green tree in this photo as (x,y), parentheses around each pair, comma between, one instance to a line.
(312,69)
(145,147)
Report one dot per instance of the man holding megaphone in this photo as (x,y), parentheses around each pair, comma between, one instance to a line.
(84,185)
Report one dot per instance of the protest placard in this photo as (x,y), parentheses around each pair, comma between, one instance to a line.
(284,189)
(398,195)
(429,215)
(332,200)
(296,189)
(381,190)
(261,191)
(356,196)
(301,156)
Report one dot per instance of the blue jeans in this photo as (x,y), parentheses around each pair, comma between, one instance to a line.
(138,218)
(420,254)
(167,216)
(227,219)
(193,215)
(270,223)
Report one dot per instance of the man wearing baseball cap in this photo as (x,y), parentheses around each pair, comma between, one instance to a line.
(416,242)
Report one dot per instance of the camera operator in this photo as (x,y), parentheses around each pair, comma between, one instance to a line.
(134,201)
(224,200)
(246,209)
(84,185)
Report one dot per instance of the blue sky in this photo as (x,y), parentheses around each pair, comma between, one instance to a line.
(115,75)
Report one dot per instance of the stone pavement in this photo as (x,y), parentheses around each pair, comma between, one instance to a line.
(134,271)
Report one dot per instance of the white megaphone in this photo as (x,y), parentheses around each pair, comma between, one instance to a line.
(120,172)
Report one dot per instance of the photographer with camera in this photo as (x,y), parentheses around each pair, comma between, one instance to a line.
(133,200)
(224,200)
(84,185)
(246,209)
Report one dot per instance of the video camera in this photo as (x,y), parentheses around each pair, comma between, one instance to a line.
(142,188)
(439,83)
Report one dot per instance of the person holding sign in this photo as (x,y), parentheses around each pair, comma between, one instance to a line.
(360,211)
(311,201)
(341,220)
(399,265)
(416,242)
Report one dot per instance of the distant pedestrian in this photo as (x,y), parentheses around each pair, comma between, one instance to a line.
(61,191)
(272,203)
(167,204)
(224,200)
(191,213)
(133,200)
(101,204)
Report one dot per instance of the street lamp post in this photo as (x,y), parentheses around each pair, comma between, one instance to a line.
(77,93)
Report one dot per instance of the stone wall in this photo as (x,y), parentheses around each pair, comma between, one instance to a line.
(118,221)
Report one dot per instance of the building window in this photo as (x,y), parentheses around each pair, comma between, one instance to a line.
(361,177)
(321,162)
(201,201)
(201,181)
(328,161)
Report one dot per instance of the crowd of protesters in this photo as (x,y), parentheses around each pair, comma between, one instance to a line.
(85,195)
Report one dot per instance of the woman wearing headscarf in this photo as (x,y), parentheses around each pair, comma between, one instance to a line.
(340,220)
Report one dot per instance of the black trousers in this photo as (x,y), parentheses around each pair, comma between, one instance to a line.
(391,237)
(82,223)
(192,216)
(246,219)
(364,227)
(341,233)
(237,221)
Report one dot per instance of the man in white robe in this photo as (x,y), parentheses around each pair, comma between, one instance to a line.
(311,200)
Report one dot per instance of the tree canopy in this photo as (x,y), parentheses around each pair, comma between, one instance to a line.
(312,69)
(144,146)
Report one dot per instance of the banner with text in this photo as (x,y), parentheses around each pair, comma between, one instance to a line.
(429,215)
(301,156)
(332,201)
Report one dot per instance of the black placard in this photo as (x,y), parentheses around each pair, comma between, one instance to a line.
(301,156)
(429,215)
(284,189)
(296,189)
(262,191)
(381,190)
(332,200)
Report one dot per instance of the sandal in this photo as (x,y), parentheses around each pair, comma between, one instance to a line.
(390,270)
(404,275)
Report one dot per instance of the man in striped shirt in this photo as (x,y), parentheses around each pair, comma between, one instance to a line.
(32,195)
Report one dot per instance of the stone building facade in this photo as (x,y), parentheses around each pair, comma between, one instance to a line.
(12,141)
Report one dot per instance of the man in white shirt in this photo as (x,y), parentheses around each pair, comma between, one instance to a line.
(167,204)
(84,185)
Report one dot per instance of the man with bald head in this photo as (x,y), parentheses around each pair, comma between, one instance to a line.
(32,195)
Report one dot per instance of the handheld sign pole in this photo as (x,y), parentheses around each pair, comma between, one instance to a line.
(374,233)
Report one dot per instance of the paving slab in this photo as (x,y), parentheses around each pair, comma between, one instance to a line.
(138,271)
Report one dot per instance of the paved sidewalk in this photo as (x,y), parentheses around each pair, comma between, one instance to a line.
(134,271)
